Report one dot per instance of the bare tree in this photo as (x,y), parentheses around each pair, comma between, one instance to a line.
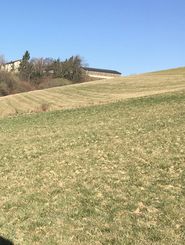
(38,66)
(2,60)
(41,69)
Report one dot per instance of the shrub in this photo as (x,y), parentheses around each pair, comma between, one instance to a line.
(70,69)
(7,83)
(44,107)
(53,82)
(11,84)
(4,89)
(22,86)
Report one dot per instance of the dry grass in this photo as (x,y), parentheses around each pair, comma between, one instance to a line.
(109,174)
(91,93)
(176,71)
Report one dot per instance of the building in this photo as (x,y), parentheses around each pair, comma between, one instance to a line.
(11,66)
(101,73)
(95,73)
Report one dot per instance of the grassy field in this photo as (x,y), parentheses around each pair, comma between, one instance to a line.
(91,93)
(178,71)
(107,174)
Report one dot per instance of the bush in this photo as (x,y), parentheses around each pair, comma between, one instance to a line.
(41,73)
(53,82)
(22,86)
(44,107)
(7,83)
(11,84)
(70,69)
(4,89)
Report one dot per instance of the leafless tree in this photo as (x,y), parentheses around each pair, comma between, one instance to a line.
(2,60)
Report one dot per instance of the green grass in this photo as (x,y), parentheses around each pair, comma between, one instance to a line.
(91,93)
(54,82)
(108,174)
(174,71)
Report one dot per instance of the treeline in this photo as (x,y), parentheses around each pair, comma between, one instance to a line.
(40,73)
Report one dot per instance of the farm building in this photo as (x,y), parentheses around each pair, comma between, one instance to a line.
(11,66)
(91,72)
(101,73)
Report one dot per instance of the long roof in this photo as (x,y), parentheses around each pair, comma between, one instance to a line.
(11,62)
(101,70)
(85,68)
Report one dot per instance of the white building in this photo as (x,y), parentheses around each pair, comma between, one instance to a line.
(95,73)
(11,66)
(101,73)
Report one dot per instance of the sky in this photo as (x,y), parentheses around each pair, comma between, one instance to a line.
(130,36)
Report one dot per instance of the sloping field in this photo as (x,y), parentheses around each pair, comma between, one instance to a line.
(92,93)
(108,174)
(174,71)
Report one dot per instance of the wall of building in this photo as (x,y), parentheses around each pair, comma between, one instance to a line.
(12,66)
(101,75)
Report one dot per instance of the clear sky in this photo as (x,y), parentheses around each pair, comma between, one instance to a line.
(131,36)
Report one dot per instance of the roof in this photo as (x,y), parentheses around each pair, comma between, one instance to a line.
(12,62)
(101,70)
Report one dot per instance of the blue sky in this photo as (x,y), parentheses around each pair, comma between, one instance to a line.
(131,36)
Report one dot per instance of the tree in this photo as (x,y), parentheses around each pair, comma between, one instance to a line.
(2,61)
(56,67)
(70,69)
(48,66)
(25,67)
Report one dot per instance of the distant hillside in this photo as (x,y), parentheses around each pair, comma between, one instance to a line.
(92,93)
(174,71)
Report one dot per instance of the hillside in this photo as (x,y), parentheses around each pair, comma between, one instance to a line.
(91,93)
(174,71)
(105,173)
(108,174)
